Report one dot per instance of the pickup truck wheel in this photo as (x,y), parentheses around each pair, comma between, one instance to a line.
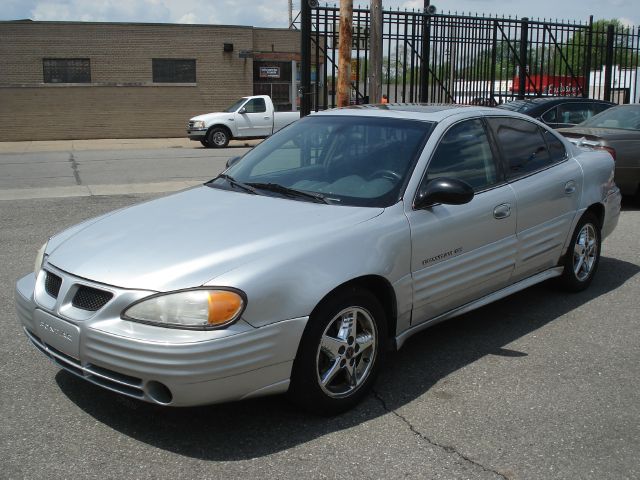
(340,353)
(583,256)
(205,143)
(218,137)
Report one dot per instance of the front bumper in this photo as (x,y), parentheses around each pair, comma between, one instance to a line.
(197,133)
(159,365)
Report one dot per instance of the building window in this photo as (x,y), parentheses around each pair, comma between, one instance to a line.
(66,70)
(170,70)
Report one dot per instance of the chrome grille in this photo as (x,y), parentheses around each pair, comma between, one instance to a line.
(91,299)
(52,284)
(190,125)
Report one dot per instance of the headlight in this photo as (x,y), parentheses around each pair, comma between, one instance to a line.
(39,259)
(200,309)
(198,124)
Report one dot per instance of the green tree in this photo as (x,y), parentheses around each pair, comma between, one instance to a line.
(576,52)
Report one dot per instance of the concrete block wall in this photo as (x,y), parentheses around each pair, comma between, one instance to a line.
(122,101)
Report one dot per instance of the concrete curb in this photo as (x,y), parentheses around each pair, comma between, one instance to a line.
(94,190)
(97,144)
(107,144)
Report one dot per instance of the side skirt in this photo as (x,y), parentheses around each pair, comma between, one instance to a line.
(481,302)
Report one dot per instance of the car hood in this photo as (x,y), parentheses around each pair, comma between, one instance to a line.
(605,133)
(186,239)
(209,117)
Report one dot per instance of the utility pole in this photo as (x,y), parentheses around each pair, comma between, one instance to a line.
(375,39)
(305,58)
(344,53)
(426,43)
(291,13)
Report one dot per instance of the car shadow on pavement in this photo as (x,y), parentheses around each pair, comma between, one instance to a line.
(260,427)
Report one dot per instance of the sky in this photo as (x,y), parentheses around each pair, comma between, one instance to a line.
(274,13)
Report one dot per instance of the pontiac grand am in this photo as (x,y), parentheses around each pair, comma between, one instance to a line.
(300,266)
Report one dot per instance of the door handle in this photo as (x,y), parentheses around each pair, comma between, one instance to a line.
(570,187)
(502,211)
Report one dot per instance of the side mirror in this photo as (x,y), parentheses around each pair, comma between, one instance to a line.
(232,161)
(448,191)
(242,111)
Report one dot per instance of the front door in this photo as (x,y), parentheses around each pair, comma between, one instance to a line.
(463,252)
(255,120)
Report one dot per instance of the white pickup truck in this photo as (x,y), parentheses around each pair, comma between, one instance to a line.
(248,118)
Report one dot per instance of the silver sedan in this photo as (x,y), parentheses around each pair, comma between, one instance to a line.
(326,246)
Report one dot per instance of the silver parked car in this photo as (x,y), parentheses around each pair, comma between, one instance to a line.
(328,244)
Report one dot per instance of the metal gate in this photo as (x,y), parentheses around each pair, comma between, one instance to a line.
(472,59)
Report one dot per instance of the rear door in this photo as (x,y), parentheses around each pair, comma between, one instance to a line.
(462,252)
(547,185)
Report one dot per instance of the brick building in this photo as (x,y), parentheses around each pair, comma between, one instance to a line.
(77,80)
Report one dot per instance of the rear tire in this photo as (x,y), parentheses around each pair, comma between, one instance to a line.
(583,256)
(218,137)
(340,354)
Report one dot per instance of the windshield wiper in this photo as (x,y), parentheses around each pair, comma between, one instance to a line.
(291,192)
(235,183)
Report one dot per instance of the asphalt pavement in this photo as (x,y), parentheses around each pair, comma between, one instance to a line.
(541,385)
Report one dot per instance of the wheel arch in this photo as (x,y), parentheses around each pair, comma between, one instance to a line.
(597,209)
(380,288)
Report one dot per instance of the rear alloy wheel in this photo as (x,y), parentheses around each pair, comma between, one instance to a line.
(340,353)
(583,256)
(218,137)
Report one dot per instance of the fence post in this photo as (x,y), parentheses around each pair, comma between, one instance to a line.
(305,58)
(608,63)
(522,64)
(494,61)
(587,61)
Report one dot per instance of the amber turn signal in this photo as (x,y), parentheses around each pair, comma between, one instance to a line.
(223,306)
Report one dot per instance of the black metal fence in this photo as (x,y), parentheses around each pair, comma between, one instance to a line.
(473,59)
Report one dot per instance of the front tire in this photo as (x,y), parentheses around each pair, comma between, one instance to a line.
(583,256)
(218,137)
(340,353)
(205,143)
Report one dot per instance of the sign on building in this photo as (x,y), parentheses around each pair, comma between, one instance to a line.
(269,72)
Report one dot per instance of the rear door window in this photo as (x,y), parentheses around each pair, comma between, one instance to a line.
(522,145)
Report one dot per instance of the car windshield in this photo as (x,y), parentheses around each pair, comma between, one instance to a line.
(236,106)
(624,117)
(344,160)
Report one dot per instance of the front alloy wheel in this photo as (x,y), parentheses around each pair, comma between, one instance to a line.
(346,352)
(340,353)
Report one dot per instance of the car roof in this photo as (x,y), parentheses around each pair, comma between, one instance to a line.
(418,111)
